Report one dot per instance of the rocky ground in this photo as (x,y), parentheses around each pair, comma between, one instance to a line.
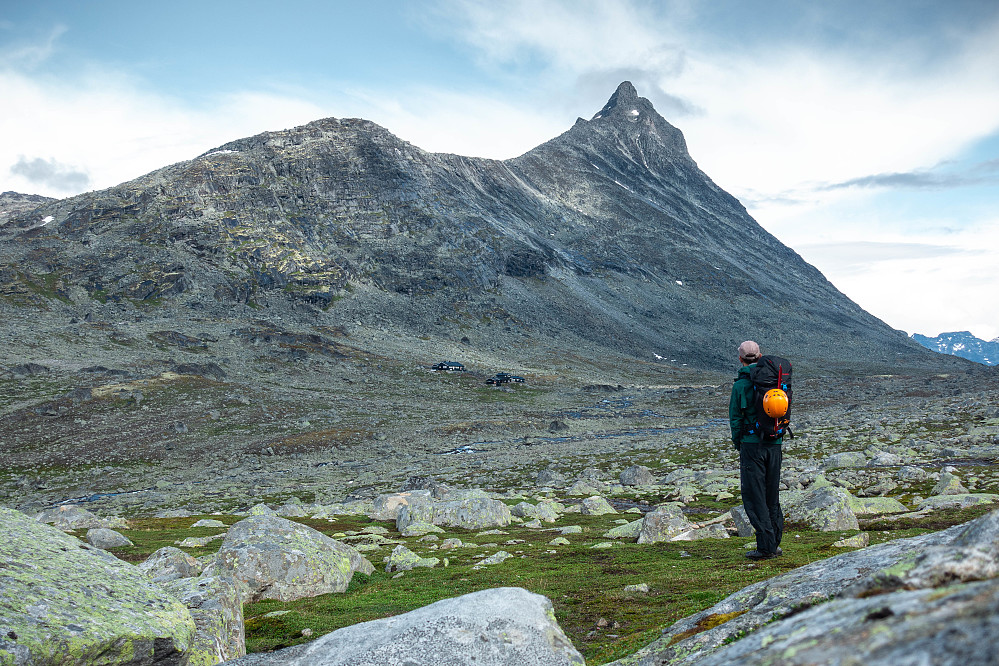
(132,417)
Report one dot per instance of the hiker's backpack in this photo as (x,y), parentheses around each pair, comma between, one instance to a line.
(771,372)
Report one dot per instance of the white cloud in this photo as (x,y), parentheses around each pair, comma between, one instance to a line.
(113,129)
(926,284)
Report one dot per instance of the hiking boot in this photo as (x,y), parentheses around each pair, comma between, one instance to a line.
(757,555)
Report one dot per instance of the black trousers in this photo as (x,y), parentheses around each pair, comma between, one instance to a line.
(759,471)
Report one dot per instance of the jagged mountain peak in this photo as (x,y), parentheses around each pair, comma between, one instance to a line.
(625,101)
(630,122)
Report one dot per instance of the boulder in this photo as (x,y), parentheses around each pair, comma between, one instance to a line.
(214,603)
(662,524)
(550,477)
(910,627)
(743,527)
(848,459)
(826,509)
(637,475)
(595,506)
(403,559)
(169,563)
(208,522)
(949,484)
(627,531)
(868,506)
(716,531)
(885,604)
(65,602)
(957,501)
(261,510)
(283,560)
(586,487)
(547,511)
(468,513)
(494,627)
(104,538)
(386,507)
(69,517)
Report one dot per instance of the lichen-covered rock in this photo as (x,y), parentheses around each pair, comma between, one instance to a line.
(284,560)
(208,522)
(662,524)
(496,627)
(826,509)
(104,538)
(627,531)
(169,563)
(420,529)
(848,459)
(261,510)
(743,527)
(65,602)
(957,501)
(70,517)
(637,475)
(595,506)
(716,531)
(955,626)
(215,605)
(867,506)
(949,484)
(403,559)
(861,540)
(469,512)
(547,511)
(863,585)
(386,507)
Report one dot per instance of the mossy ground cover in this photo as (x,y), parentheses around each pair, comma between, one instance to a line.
(586,585)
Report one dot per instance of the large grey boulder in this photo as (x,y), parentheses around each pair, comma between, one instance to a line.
(953,627)
(862,601)
(65,602)
(547,511)
(826,509)
(170,563)
(743,527)
(470,512)
(662,524)
(216,606)
(957,501)
(104,538)
(284,560)
(850,459)
(503,626)
(949,484)
(595,506)
(637,475)
(386,507)
(70,517)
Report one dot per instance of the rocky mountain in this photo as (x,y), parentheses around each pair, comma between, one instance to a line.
(963,344)
(15,203)
(608,238)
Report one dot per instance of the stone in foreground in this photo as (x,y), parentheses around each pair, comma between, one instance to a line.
(215,605)
(65,602)
(283,560)
(497,627)
(908,601)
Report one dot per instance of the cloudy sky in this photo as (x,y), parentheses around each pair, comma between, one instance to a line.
(863,134)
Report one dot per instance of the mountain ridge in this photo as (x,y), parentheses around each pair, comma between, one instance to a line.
(962,344)
(608,235)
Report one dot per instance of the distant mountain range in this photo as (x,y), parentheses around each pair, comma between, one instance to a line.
(963,344)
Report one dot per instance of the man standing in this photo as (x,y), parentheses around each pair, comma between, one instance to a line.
(759,461)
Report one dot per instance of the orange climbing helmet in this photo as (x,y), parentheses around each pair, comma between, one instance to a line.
(775,403)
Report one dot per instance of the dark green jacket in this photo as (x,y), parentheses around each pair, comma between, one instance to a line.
(741,410)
